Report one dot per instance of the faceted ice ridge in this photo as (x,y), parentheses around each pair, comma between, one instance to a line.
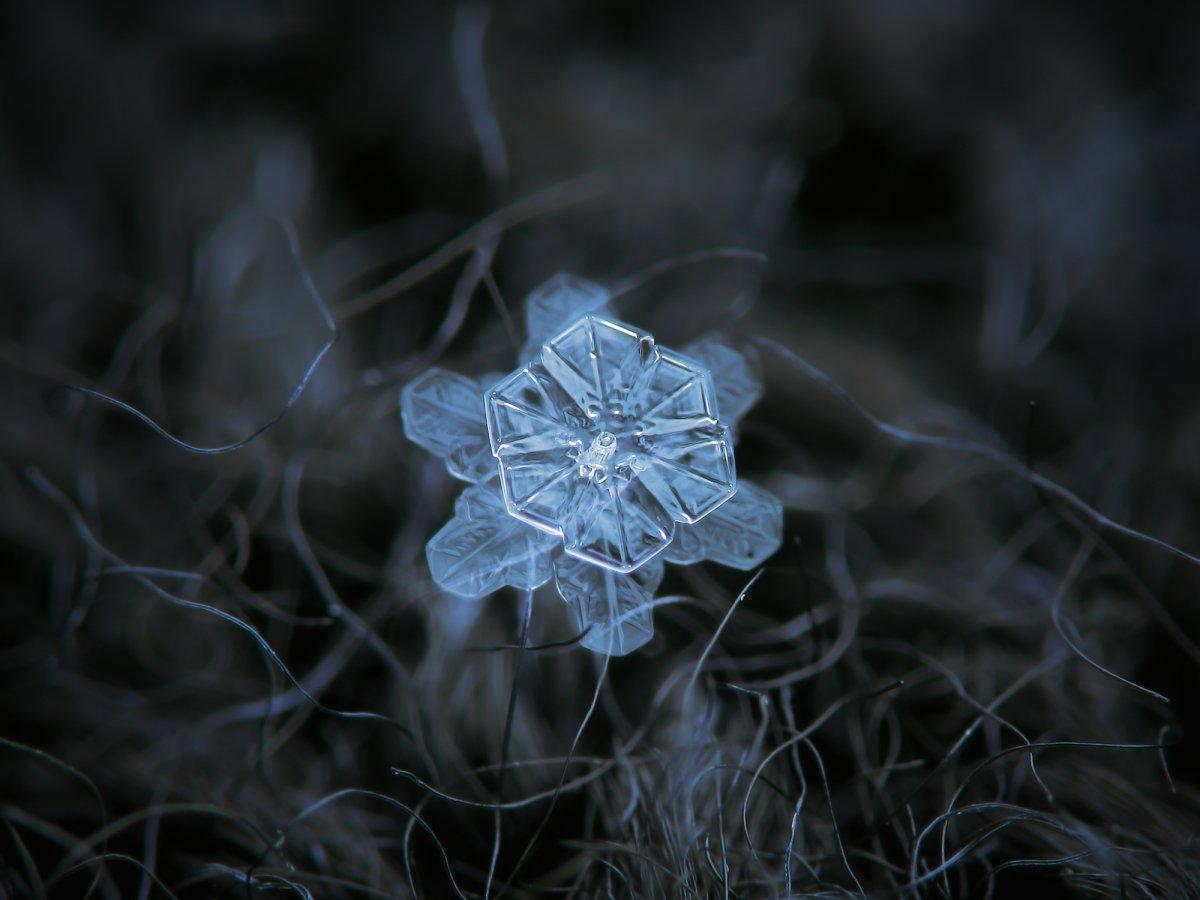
(735,372)
(555,304)
(593,463)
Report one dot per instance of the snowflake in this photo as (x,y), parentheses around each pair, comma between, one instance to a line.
(601,457)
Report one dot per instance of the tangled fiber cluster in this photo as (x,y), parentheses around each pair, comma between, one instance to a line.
(962,240)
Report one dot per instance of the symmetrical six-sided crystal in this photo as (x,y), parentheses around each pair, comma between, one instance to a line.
(608,441)
(599,458)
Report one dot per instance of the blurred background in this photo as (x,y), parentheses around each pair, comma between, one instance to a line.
(228,674)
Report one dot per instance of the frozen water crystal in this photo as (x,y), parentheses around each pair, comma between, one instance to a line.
(602,456)
(611,606)
(608,440)
(443,412)
(482,548)
(735,373)
(741,533)
(555,304)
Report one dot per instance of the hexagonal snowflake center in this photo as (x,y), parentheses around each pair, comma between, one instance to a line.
(607,454)
(608,441)
(604,446)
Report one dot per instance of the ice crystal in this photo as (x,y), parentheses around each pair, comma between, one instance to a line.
(602,456)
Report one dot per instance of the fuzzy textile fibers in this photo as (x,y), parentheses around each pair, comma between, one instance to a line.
(964,238)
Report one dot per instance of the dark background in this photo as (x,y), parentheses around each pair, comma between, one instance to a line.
(979,217)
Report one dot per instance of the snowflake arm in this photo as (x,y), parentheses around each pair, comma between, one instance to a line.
(612,608)
(443,412)
(555,304)
(483,548)
(741,533)
(736,373)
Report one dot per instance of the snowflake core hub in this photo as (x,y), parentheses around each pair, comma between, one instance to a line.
(608,440)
